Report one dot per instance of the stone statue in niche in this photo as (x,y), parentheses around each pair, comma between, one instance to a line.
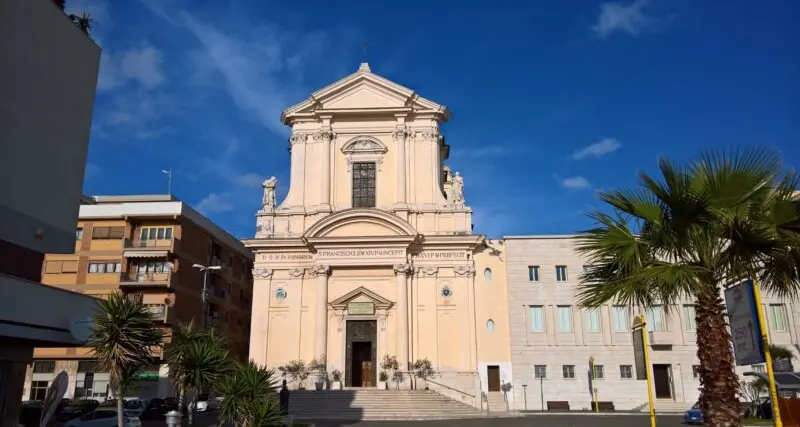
(458,188)
(268,200)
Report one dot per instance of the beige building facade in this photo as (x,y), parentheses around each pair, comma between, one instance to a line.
(372,253)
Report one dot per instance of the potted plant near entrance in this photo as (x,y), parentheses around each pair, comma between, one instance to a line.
(383,379)
(423,369)
(337,379)
(319,367)
(388,364)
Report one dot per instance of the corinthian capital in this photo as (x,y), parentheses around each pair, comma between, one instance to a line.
(324,135)
(432,133)
(262,273)
(296,138)
(297,272)
(403,268)
(464,270)
(401,132)
(320,270)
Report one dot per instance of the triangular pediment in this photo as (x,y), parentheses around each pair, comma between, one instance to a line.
(363,91)
(361,294)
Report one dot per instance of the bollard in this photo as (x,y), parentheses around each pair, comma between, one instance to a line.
(173,418)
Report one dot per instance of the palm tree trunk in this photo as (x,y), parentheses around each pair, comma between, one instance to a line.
(718,379)
(120,414)
(182,400)
(192,409)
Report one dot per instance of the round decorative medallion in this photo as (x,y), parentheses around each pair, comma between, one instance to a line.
(280,293)
(447,292)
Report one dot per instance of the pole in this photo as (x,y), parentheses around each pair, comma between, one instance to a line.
(541,391)
(204,296)
(643,330)
(594,382)
(773,390)
(525,395)
(169,180)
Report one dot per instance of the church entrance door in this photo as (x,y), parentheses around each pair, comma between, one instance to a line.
(361,353)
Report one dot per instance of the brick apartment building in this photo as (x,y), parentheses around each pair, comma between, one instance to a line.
(147,245)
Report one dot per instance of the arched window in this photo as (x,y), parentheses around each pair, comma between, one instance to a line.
(487,274)
(490,325)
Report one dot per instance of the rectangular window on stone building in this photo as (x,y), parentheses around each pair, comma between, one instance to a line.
(38,390)
(655,319)
(540,371)
(564,318)
(44,367)
(537,318)
(620,318)
(109,233)
(568,371)
(599,372)
(626,371)
(363,185)
(777,317)
(689,316)
(533,273)
(87,366)
(593,320)
(561,273)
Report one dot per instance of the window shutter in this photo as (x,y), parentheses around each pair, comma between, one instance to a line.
(52,267)
(69,267)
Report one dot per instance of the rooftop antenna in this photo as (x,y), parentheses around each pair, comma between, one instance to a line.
(168,172)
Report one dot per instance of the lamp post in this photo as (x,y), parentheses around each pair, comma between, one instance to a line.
(204,296)
(525,395)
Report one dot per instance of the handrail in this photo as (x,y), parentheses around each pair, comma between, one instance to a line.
(450,388)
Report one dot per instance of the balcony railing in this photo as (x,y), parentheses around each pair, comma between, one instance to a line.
(157,244)
(129,278)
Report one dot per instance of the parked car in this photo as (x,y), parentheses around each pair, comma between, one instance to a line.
(104,417)
(205,403)
(76,409)
(694,415)
(157,408)
(135,406)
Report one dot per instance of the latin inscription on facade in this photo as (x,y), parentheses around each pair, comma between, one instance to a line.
(443,255)
(287,257)
(360,308)
(361,253)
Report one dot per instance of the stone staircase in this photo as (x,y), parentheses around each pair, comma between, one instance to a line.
(496,402)
(375,404)
(666,406)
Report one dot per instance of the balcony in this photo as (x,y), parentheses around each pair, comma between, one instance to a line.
(145,279)
(661,338)
(149,248)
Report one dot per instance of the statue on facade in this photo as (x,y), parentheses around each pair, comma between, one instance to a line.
(268,200)
(458,188)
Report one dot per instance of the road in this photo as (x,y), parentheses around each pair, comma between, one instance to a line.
(532,420)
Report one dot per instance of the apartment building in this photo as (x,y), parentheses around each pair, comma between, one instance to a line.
(148,245)
(552,339)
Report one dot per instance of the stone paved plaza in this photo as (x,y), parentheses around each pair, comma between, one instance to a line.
(566,420)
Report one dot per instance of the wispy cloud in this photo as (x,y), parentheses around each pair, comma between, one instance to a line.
(575,183)
(251,179)
(144,64)
(598,149)
(619,16)
(486,151)
(215,203)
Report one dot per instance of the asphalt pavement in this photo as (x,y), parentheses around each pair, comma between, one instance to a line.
(562,420)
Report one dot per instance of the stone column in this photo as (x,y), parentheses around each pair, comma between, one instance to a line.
(297,146)
(400,134)
(402,270)
(321,311)
(325,136)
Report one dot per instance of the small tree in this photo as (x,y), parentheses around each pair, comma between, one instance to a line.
(752,391)
(391,364)
(297,370)
(423,369)
(319,366)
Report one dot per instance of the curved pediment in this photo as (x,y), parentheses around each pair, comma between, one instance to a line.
(365,145)
(361,223)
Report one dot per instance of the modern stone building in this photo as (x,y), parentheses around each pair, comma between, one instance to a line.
(372,251)
(146,245)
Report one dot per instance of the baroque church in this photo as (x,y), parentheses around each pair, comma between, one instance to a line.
(372,251)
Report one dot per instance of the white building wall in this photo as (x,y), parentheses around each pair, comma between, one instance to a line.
(609,348)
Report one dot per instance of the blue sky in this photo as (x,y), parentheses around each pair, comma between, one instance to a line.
(551,100)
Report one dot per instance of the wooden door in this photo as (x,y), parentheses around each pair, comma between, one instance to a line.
(661,381)
(493,375)
(366,374)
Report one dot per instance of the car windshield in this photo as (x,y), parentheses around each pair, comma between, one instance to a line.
(203,397)
(696,406)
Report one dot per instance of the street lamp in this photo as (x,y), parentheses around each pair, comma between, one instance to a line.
(204,296)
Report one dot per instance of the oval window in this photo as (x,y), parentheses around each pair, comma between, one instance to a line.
(487,274)
(490,325)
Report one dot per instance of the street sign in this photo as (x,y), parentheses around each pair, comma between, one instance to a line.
(748,347)
(54,395)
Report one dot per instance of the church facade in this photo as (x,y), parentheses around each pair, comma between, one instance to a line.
(372,252)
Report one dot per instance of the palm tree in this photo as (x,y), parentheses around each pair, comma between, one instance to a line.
(249,397)
(123,338)
(698,229)
(198,360)
(84,22)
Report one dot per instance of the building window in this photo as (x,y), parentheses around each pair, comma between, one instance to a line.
(655,319)
(599,372)
(533,273)
(79,233)
(689,318)
(490,325)
(537,318)
(56,267)
(564,318)
(620,318)
(568,371)
(561,273)
(38,390)
(44,367)
(87,366)
(593,320)
(540,371)
(363,185)
(696,371)
(105,267)
(487,274)
(587,269)
(758,368)
(155,233)
(626,372)
(777,317)
(154,267)
(108,233)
